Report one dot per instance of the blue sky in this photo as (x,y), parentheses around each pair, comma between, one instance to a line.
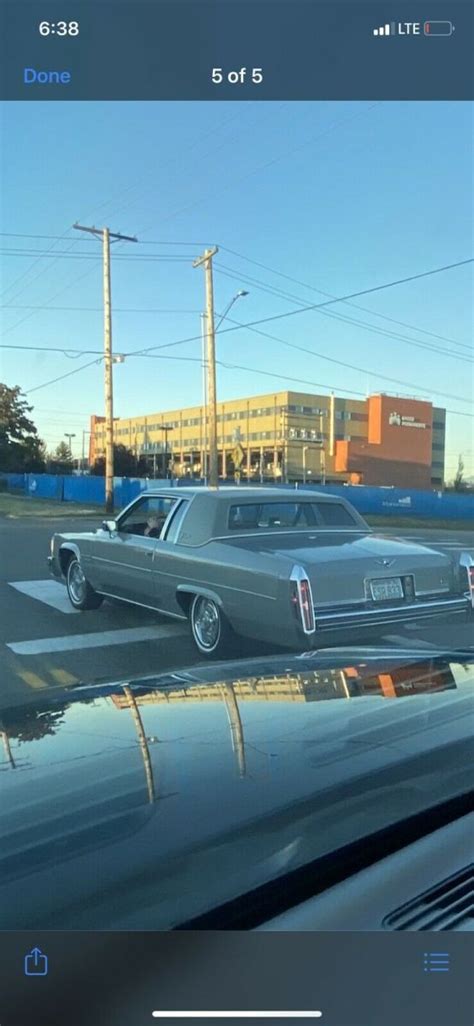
(340,196)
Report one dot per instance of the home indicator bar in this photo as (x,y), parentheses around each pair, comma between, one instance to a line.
(237,1015)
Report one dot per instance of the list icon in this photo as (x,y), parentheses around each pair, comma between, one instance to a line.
(436,962)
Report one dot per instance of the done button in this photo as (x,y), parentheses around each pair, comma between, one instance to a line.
(33,77)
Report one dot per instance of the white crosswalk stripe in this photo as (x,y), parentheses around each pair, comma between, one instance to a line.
(52,593)
(98,639)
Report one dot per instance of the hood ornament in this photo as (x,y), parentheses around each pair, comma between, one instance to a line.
(384,562)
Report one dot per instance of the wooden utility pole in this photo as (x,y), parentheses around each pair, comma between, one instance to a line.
(206,261)
(106,235)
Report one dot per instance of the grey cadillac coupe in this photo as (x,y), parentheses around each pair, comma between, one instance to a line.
(298,569)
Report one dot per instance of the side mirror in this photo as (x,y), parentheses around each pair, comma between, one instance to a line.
(110,526)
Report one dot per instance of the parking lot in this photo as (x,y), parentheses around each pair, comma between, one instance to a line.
(48,646)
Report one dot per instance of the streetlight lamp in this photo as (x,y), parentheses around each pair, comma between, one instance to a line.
(69,435)
(206,370)
(238,295)
(305,450)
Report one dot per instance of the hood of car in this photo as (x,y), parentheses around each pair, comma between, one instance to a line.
(116,803)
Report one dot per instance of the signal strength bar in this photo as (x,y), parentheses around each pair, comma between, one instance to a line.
(385,30)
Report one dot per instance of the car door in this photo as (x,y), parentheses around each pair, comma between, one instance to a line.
(169,560)
(126,556)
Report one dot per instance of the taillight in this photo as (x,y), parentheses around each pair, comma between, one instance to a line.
(302,599)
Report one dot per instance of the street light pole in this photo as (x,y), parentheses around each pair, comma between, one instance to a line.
(69,435)
(208,362)
(322,454)
(83,459)
(305,450)
(165,428)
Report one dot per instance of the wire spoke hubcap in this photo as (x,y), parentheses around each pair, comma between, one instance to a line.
(206,623)
(77,583)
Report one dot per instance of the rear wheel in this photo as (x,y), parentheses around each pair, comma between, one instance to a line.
(81,593)
(211,631)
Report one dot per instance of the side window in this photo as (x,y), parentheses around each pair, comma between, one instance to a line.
(147,517)
(174,526)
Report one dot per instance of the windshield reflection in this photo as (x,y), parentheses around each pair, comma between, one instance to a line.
(361,680)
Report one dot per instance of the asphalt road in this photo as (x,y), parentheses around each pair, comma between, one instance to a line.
(45,646)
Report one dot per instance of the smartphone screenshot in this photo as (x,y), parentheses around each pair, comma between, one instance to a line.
(236,513)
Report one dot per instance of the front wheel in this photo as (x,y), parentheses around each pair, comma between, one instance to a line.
(81,593)
(211,631)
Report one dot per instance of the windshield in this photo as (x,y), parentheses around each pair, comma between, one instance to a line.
(271,771)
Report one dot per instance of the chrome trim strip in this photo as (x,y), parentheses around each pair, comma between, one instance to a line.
(122,565)
(295,532)
(143,605)
(412,611)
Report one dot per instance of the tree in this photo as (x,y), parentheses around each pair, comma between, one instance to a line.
(60,461)
(125,463)
(21,449)
(459,483)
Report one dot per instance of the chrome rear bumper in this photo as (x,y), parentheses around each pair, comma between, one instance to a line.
(393,614)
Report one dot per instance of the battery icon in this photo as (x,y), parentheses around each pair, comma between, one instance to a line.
(438,28)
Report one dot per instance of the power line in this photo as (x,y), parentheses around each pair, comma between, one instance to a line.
(357,306)
(61,377)
(315,306)
(286,377)
(55,349)
(346,365)
(276,317)
(228,273)
(59,238)
(235,116)
(98,309)
(274,160)
(242,367)
(66,255)
(52,298)
(54,259)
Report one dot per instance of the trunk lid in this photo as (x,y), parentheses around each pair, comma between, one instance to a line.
(341,565)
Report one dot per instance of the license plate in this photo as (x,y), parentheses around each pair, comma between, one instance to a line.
(386,589)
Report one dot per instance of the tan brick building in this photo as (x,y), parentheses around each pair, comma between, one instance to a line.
(293,436)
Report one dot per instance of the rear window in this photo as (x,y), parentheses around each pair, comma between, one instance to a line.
(288,516)
(334,514)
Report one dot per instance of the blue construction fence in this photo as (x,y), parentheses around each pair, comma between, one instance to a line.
(366,499)
(80,489)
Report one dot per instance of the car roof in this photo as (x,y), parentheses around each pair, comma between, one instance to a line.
(243,492)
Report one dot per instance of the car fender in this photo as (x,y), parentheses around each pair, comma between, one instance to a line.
(67,547)
(197,589)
